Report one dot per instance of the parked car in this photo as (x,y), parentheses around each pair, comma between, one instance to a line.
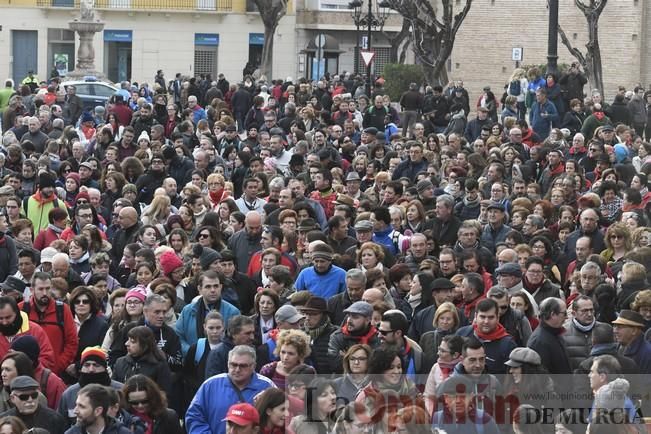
(92,91)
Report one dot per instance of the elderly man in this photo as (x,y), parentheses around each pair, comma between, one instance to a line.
(547,341)
(323,279)
(318,326)
(445,226)
(246,242)
(355,284)
(417,252)
(61,268)
(126,234)
(240,385)
(629,334)
(495,231)
(35,135)
(27,408)
(589,227)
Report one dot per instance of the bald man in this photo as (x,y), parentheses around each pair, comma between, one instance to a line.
(127,234)
(506,255)
(247,241)
(372,296)
(61,268)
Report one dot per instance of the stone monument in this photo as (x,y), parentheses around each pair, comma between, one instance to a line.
(86,26)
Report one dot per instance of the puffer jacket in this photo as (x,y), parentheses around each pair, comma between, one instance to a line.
(578,343)
(341,340)
(319,358)
(148,365)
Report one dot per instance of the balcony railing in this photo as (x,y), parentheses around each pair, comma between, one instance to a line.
(174,5)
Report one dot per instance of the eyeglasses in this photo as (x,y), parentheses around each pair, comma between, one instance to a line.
(562,313)
(138,402)
(616,237)
(204,235)
(239,365)
(82,201)
(296,386)
(27,396)
(385,332)
(82,301)
(133,302)
(358,359)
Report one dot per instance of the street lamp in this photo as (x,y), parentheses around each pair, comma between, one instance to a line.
(552,37)
(373,19)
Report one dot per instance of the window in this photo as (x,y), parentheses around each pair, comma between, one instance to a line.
(334,5)
(205,60)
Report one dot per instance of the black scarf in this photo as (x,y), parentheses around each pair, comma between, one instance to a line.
(101,378)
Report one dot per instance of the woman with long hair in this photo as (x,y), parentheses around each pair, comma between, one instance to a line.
(15,364)
(224,209)
(143,357)
(134,303)
(113,184)
(96,243)
(179,241)
(149,236)
(618,243)
(157,213)
(320,406)
(132,169)
(209,236)
(91,324)
(187,219)
(527,377)
(12,425)
(272,407)
(420,292)
(266,304)
(144,399)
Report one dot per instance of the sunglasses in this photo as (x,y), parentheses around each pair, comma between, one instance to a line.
(82,301)
(136,403)
(204,236)
(385,332)
(82,202)
(27,396)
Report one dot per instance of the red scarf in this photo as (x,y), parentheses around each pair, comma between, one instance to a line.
(530,286)
(496,334)
(217,196)
(149,422)
(558,170)
(364,339)
(581,150)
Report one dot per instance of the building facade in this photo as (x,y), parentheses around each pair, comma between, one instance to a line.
(211,36)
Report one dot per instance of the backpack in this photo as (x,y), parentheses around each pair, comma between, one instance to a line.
(200,350)
(44,377)
(514,88)
(59,312)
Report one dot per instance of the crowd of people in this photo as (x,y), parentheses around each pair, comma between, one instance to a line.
(275,256)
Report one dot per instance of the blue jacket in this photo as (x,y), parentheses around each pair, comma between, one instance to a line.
(640,351)
(214,398)
(186,325)
(386,239)
(322,285)
(542,125)
(478,422)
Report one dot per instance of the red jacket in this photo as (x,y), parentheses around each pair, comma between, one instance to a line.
(255,264)
(64,339)
(44,238)
(54,388)
(46,358)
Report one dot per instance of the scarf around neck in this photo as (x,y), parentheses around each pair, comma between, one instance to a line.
(318,330)
(364,338)
(57,230)
(471,203)
(496,334)
(584,328)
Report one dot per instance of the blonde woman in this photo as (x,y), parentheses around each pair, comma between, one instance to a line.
(157,213)
(519,81)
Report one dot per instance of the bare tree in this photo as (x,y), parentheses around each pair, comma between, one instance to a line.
(271,12)
(591,60)
(433,32)
(399,43)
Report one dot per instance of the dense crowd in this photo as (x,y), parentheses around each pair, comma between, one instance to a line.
(276,256)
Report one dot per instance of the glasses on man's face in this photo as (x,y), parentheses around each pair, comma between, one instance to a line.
(82,202)
(26,396)
(233,365)
(385,332)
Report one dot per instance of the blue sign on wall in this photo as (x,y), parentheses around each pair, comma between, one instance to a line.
(256,38)
(118,35)
(206,39)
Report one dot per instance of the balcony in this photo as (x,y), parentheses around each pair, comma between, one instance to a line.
(219,6)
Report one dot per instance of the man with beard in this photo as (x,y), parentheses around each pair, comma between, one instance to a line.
(246,242)
(38,206)
(319,328)
(150,181)
(55,318)
(91,413)
(323,279)
(468,238)
(144,120)
(278,153)
(393,333)
(357,329)
(24,398)
(93,370)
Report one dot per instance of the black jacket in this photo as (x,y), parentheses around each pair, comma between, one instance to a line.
(179,168)
(149,366)
(549,345)
(148,183)
(44,417)
(91,333)
(8,257)
(319,357)
(121,238)
(336,306)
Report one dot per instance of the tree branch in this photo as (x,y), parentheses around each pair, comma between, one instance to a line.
(573,51)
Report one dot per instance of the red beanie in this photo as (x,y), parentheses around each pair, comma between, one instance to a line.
(170,262)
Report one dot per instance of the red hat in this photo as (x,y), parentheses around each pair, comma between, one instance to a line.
(170,262)
(95,354)
(82,195)
(243,414)
(75,177)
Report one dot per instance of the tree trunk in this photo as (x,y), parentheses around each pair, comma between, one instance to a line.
(594,53)
(396,43)
(266,62)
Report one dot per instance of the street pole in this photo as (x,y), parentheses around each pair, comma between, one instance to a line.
(552,38)
(357,52)
(369,20)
